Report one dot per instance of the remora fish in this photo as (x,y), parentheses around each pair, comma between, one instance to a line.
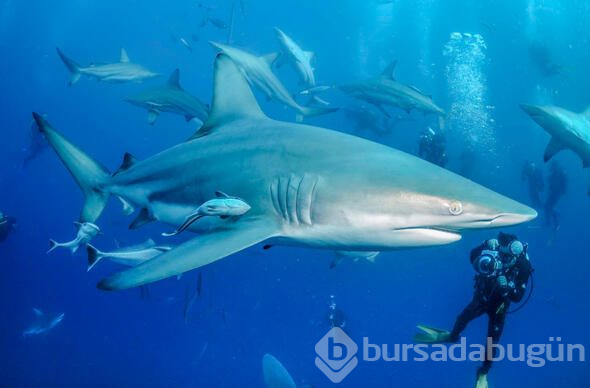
(306,186)
(354,255)
(170,98)
(86,232)
(122,71)
(43,323)
(130,256)
(386,90)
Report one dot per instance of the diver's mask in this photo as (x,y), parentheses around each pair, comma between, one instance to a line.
(488,263)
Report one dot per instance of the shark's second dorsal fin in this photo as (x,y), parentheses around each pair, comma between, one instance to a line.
(389,71)
(174,80)
(124,57)
(232,97)
(37,312)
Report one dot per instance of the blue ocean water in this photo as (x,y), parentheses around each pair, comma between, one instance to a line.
(276,301)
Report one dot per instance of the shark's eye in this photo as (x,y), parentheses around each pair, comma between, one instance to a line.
(456,208)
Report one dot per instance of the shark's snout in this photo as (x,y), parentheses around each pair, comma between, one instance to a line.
(533,110)
(515,218)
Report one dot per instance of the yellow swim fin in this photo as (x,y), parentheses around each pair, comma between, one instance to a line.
(432,335)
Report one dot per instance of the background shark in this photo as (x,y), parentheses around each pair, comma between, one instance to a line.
(306,186)
(258,72)
(386,90)
(293,54)
(122,71)
(568,130)
(43,323)
(170,98)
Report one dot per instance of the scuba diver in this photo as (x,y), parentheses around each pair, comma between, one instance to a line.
(534,177)
(502,269)
(335,316)
(6,225)
(431,147)
(557,182)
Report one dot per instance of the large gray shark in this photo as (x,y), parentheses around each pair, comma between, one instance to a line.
(568,130)
(122,71)
(43,323)
(386,90)
(275,374)
(306,186)
(258,72)
(170,98)
(301,60)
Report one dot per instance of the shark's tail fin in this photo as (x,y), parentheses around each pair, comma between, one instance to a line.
(94,255)
(313,111)
(53,245)
(72,66)
(89,174)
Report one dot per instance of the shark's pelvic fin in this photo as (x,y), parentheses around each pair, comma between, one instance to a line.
(232,97)
(124,57)
(553,148)
(193,254)
(153,115)
(89,174)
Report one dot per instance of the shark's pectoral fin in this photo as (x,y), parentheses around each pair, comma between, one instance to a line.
(193,254)
(553,148)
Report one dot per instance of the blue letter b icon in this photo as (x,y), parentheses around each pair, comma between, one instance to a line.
(336,351)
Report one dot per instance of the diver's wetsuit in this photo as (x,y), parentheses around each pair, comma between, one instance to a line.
(432,148)
(6,225)
(534,177)
(557,188)
(491,299)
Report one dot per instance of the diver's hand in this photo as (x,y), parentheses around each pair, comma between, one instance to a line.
(502,281)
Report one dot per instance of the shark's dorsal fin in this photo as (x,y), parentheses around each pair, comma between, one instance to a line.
(128,161)
(221,194)
(174,80)
(124,57)
(309,55)
(389,71)
(271,58)
(232,97)
(37,312)
(586,112)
